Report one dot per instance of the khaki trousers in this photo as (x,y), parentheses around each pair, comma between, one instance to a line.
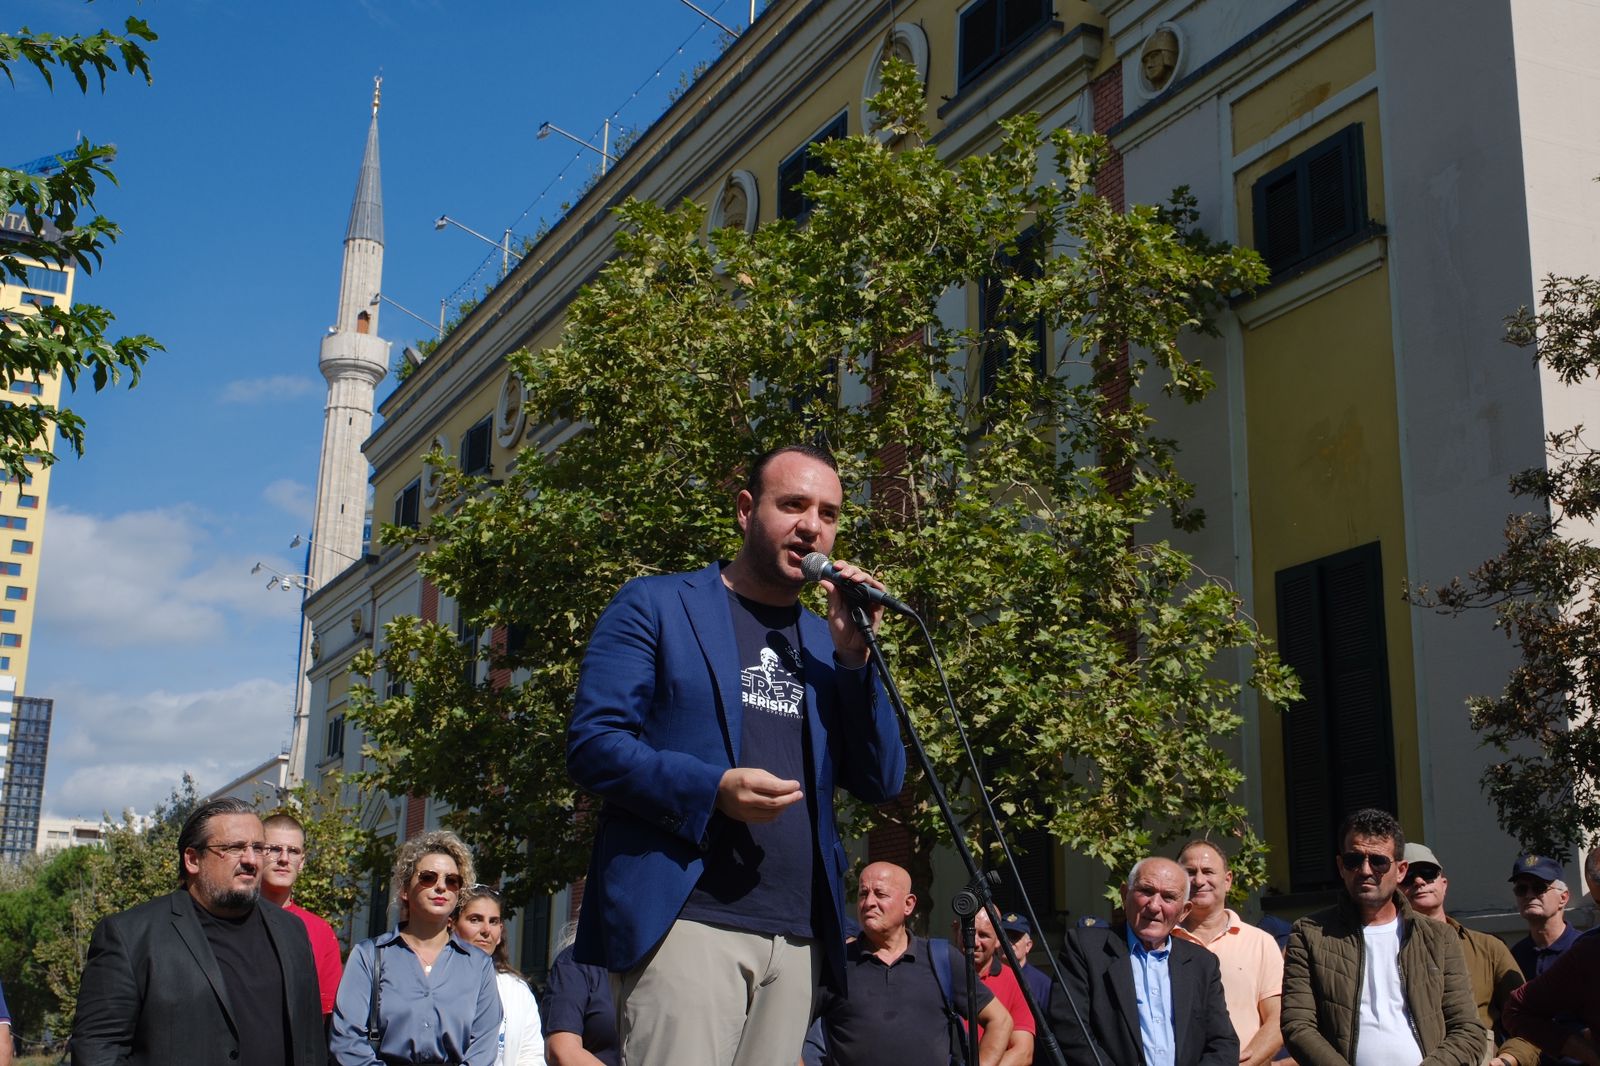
(709,996)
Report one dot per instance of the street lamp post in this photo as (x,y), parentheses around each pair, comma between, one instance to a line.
(547,128)
(437,328)
(506,254)
(709,17)
(282,581)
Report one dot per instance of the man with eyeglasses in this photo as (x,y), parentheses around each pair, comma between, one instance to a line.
(207,973)
(1560,1011)
(286,854)
(1367,982)
(1542,902)
(1495,974)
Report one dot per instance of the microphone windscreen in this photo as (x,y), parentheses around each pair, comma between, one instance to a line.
(814,566)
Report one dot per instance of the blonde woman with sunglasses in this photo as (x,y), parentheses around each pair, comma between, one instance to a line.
(418,993)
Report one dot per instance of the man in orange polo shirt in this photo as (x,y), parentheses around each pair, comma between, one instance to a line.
(1252,965)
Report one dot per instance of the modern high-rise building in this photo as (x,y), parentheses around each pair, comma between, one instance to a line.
(22,505)
(28,747)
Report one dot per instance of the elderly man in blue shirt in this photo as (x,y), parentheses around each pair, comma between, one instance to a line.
(1143,998)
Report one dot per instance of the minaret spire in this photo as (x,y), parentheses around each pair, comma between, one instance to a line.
(354,360)
(366,212)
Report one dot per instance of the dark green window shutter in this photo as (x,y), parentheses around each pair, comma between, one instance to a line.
(1338,741)
(792,204)
(990,29)
(1312,203)
(1035,873)
(994,316)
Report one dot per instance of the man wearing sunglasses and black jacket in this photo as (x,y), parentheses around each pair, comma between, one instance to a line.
(1369,983)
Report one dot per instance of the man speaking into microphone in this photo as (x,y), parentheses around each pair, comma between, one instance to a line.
(715,716)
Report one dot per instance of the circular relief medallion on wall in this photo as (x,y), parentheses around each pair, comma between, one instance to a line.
(430,473)
(906,42)
(1161,59)
(736,204)
(510,411)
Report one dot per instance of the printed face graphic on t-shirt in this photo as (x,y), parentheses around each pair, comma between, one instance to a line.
(770,685)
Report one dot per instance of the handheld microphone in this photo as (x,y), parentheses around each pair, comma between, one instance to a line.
(817,567)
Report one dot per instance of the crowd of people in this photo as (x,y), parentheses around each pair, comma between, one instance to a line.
(229,969)
(715,717)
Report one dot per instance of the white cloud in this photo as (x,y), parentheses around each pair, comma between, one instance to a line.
(113,750)
(291,496)
(147,578)
(268,390)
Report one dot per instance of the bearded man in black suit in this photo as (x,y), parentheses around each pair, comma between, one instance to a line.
(208,974)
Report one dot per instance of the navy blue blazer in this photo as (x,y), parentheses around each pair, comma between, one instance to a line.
(656,723)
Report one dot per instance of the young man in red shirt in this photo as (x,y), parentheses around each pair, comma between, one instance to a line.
(286,854)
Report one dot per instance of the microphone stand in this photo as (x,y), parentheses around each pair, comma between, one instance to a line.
(966,904)
(978,885)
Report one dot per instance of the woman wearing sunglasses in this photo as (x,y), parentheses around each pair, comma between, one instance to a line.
(480,921)
(419,994)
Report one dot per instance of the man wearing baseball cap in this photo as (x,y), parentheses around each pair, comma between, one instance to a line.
(1561,1011)
(1542,902)
(1020,933)
(1495,974)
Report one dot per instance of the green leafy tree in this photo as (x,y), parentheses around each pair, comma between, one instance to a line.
(1023,518)
(62,229)
(36,915)
(72,891)
(1542,589)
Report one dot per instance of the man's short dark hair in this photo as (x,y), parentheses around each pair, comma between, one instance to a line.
(758,467)
(198,825)
(1202,842)
(1371,822)
(1591,868)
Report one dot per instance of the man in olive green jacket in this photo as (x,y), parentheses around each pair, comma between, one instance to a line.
(1494,973)
(1369,970)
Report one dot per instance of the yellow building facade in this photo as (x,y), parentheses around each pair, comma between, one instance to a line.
(23,504)
(1399,172)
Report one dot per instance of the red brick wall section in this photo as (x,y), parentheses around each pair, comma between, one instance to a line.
(1109,183)
(501,677)
(416,815)
(1107,91)
(417,806)
(891,841)
(575,899)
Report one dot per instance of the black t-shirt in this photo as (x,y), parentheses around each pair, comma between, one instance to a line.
(254,979)
(760,877)
(895,1011)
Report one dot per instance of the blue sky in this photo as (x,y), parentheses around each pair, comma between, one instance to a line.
(236,169)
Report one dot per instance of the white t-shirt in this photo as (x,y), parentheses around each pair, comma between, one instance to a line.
(521,1042)
(1385,1037)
